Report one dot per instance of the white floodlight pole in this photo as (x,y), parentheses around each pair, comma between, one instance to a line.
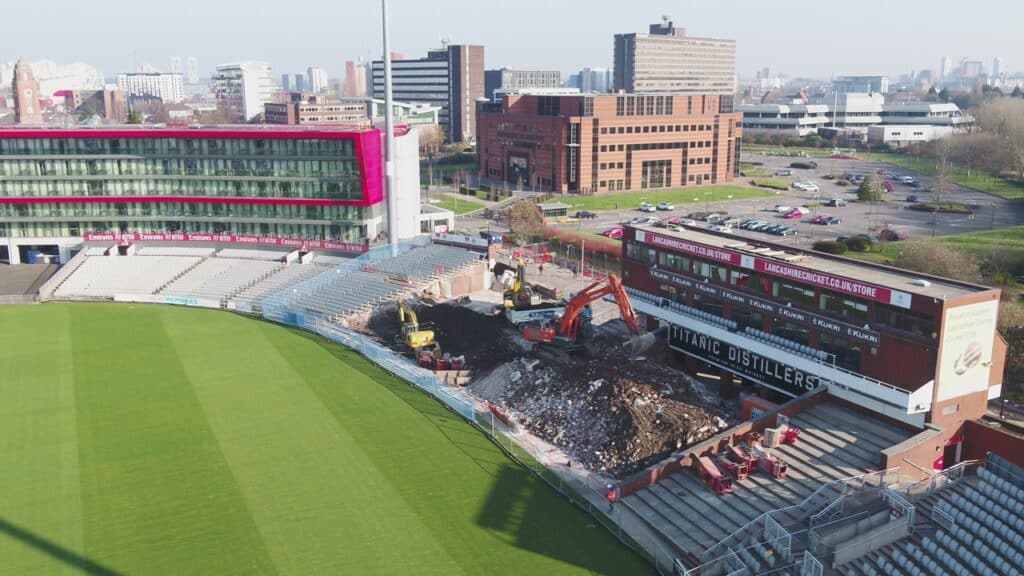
(389,137)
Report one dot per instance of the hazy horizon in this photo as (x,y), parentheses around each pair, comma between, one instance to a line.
(796,38)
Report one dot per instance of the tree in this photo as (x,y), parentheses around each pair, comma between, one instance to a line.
(870,190)
(971,149)
(943,169)
(1017,93)
(85,112)
(134,117)
(1004,117)
(526,224)
(944,95)
(431,140)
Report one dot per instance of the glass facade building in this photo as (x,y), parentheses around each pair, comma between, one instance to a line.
(318,184)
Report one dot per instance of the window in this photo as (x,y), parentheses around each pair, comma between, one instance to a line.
(747,318)
(714,271)
(905,321)
(794,293)
(707,304)
(674,261)
(641,252)
(846,351)
(845,306)
(793,332)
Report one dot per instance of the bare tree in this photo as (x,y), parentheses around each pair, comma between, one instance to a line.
(970,150)
(1004,117)
(431,140)
(943,170)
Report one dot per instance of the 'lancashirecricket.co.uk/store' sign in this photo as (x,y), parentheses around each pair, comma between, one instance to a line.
(780,269)
(785,312)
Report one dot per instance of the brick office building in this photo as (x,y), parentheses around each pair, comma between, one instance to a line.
(604,143)
(918,349)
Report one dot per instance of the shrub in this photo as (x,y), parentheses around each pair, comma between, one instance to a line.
(801,165)
(830,247)
(859,244)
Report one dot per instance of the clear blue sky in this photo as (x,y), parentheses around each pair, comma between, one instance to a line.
(798,37)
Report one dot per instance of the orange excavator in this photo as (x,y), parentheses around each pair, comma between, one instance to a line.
(577,312)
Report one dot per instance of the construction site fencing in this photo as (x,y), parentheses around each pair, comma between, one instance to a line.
(817,501)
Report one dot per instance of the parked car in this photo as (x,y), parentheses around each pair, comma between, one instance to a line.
(836,202)
(912,198)
(714,217)
(832,220)
(586,215)
(891,235)
(732,221)
(787,231)
(665,206)
(906,179)
(793,214)
(782,208)
(612,233)
(820,219)
(842,238)
(773,228)
(887,185)
(914,184)
(720,228)
(687,222)
(646,207)
(785,172)
(870,237)
(647,220)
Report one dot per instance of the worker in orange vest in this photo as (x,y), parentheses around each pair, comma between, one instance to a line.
(612,496)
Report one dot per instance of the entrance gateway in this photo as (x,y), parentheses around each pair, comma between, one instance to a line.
(766,371)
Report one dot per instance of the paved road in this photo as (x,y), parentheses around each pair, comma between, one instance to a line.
(856,218)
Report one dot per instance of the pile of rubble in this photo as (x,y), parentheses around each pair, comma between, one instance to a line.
(611,414)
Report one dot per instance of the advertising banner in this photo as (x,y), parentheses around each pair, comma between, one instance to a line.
(297,243)
(965,356)
(747,364)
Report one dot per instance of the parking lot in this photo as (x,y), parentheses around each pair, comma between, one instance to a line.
(855,218)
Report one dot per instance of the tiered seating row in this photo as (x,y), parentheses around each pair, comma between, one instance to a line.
(197,251)
(252,254)
(105,276)
(218,278)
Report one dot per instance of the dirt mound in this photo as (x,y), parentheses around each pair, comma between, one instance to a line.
(484,340)
(611,413)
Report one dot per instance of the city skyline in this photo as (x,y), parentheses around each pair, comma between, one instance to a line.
(792,41)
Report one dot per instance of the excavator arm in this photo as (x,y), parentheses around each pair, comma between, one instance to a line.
(569,326)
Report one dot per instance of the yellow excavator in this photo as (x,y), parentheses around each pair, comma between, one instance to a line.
(520,295)
(420,338)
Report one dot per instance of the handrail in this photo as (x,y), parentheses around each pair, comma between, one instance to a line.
(901,523)
(840,486)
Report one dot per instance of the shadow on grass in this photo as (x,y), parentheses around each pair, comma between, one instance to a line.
(520,509)
(68,557)
(523,512)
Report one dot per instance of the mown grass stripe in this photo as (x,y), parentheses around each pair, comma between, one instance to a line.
(157,494)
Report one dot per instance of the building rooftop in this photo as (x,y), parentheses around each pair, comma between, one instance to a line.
(172,131)
(791,257)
